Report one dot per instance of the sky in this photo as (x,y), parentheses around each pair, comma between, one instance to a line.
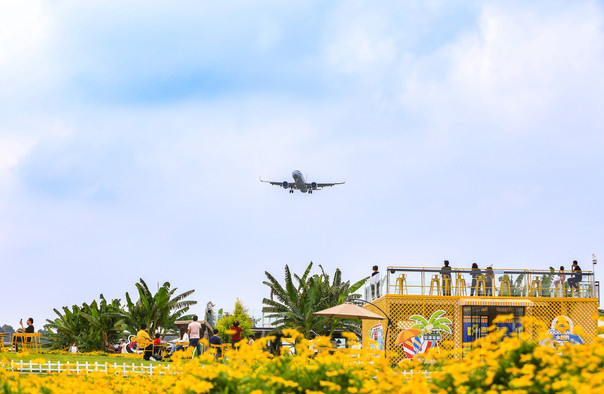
(133,136)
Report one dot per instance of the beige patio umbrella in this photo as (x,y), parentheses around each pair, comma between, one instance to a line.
(349,311)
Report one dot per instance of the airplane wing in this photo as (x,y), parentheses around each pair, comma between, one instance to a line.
(315,186)
(284,184)
(329,184)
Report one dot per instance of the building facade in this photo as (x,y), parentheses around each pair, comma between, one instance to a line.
(431,308)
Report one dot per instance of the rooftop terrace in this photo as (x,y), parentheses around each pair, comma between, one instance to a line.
(432,281)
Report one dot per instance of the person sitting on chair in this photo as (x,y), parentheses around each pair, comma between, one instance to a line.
(27,330)
(143,336)
(573,282)
(216,342)
(560,279)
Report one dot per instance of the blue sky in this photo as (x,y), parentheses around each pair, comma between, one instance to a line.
(132,137)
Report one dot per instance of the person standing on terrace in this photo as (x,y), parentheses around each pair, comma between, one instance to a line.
(475,274)
(573,282)
(445,272)
(375,283)
(489,276)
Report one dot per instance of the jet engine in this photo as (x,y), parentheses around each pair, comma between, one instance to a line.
(285,184)
(313,185)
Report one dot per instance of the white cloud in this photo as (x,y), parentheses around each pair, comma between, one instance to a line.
(26,41)
(515,74)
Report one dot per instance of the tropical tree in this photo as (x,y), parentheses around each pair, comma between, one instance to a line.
(241,314)
(92,326)
(104,321)
(159,311)
(296,302)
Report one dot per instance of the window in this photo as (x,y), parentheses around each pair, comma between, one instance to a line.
(477,320)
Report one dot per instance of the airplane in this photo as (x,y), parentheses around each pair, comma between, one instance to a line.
(300,184)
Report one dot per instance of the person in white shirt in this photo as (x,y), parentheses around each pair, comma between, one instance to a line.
(73,348)
(181,342)
(123,346)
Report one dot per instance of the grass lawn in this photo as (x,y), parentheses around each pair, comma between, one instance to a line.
(91,358)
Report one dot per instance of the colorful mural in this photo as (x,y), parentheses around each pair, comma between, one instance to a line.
(424,334)
(562,331)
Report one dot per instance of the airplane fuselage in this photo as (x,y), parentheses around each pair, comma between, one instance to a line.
(299,181)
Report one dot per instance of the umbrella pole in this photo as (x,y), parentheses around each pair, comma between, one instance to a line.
(388,324)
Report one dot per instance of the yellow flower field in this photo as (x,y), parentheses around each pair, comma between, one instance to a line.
(517,364)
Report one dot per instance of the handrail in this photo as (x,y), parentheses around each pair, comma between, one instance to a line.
(499,282)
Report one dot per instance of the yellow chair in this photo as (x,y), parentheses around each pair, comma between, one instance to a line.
(2,339)
(535,290)
(155,349)
(435,283)
(460,285)
(446,285)
(559,289)
(29,342)
(480,282)
(505,285)
(400,286)
(218,351)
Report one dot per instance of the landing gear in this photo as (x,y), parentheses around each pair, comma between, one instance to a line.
(310,191)
(291,190)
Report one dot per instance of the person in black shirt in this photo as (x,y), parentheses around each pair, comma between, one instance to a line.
(475,272)
(215,340)
(445,272)
(28,330)
(573,283)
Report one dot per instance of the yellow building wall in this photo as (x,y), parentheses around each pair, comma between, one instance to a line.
(582,312)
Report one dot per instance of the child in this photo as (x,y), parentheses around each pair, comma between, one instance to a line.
(156,349)
(216,342)
(236,337)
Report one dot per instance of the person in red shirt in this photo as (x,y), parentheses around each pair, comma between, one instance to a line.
(236,336)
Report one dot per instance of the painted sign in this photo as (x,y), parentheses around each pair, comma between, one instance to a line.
(376,333)
(562,331)
(424,333)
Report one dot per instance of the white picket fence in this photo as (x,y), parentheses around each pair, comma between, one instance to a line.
(77,367)
(124,369)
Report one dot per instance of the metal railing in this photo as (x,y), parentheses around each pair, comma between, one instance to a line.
(432,281)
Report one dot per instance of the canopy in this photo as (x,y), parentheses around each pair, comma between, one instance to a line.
(349,311)
(495,302)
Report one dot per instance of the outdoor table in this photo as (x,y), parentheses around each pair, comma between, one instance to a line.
(3,336)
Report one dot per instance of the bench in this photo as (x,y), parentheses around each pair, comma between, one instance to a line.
(28,342)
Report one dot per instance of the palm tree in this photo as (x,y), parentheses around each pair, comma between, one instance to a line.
(104,322)
(67,328)
(92,326)
(435,323)
(296,302)
(159,311)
